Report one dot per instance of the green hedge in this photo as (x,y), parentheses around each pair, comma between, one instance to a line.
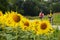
(30,7)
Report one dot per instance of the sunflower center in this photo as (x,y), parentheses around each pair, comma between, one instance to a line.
(16,18)
(26,24)
(43,26)
(37,22)
(0,14)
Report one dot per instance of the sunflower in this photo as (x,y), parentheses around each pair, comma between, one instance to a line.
(26,25)
(34,24)
(2,19)
(44,27)
(12,19)
(1,14)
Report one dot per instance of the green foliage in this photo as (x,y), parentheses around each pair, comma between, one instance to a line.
(18,6)
(56,7)
(30,7)
(9,33)
(3,5)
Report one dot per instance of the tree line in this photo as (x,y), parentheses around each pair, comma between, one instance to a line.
(30,7)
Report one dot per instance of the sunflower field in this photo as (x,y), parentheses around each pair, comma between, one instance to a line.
(14,26)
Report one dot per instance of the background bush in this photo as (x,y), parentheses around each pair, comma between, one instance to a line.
(30,7)
(3,5)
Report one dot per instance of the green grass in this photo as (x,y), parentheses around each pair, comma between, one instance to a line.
(56,18)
